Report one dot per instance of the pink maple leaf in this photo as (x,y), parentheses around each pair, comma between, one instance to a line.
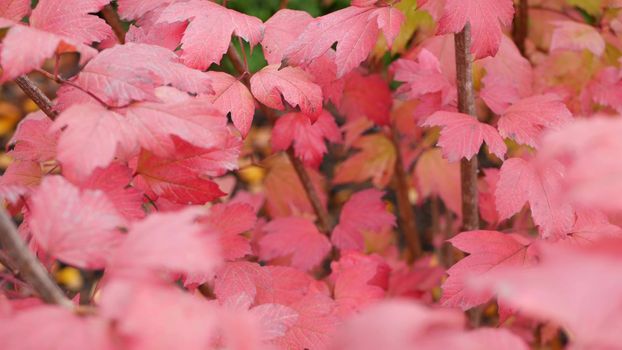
(462,135)
(53,29)
(167,242)
(315,325)
(147,30)
(589,227)
(355,30)
(359,280)
(296,86)
(131,72)
(105,132)
(508,79)
(134,9)
(77,227)
(556,289)
(366,96)
(521,181)
(295,239)
(487,19)
(489,251)
(281,30)
(525,120)
(33,139)
(364,211)
(487,200)
(307,138)
(423,76)
(230,220)
(182,320)
(209,32)
(232,96)
(402,324)
(48,326)
(571,35)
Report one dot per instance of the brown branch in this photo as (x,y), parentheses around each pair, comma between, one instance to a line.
(324,221)
(406,215)
(34,93)
(466,105)
(27,265)
(520,28)
(112,18)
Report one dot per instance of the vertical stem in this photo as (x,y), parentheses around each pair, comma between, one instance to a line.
(466,105)
(324,222)
(27,264)
(406,215)
(34,93)
(520,27)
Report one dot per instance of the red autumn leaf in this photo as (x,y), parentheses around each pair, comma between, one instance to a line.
(230,221)
(169,178)
(208,34)
(354,29)
(307,138)
(232,96)
(462,135)
(295,239)
(525,120)
(293,83)
(76,226)
(366,97)
(489,251)
(364,211)
(114,182)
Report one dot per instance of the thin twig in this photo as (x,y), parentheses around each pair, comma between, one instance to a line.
(112,18)
(27,264)
(60,80)
(466,105)
(520,29)
(406,215)
(324,221)
(34,93)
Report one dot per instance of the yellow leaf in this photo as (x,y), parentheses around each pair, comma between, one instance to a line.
(70,278)
(593,7)
(9,116)
(375,161)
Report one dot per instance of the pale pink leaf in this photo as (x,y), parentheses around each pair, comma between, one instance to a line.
(462,135)
(487,19)
(134,9)
(571,35)
(354,29)
(78,227)
(489,251)
(434,175)
(14,10)
(526,120)
(33,139)
(282,29)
